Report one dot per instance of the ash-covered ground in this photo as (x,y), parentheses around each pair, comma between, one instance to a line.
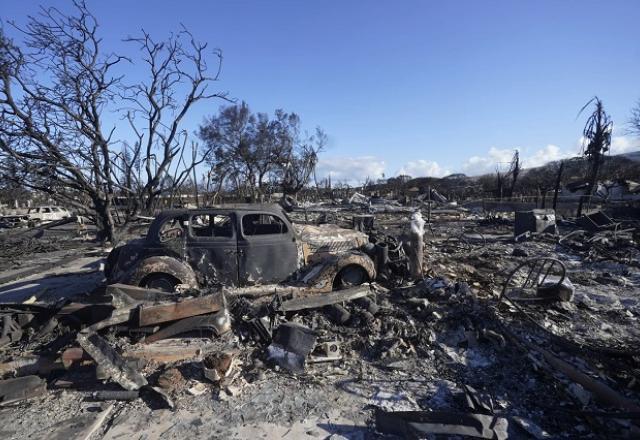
(449,342)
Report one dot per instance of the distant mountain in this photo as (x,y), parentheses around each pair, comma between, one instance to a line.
(620,166)
(634,155)
(457,176)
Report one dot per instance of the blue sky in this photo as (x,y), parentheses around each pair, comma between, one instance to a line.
(421,87)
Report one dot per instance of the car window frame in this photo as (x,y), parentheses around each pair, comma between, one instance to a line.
(195,238)
(286,233)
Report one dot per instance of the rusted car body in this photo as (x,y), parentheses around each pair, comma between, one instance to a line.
(233,246)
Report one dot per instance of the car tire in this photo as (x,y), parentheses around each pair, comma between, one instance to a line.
(160,281)
(350,276)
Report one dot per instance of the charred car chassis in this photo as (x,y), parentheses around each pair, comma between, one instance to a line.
(231,246)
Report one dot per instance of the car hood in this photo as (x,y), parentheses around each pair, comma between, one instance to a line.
(330,238)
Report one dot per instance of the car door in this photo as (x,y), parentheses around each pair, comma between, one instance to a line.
(46,214)
(267,249)
(212,247)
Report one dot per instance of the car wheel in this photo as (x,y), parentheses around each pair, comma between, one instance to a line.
(160,281)
(350,276)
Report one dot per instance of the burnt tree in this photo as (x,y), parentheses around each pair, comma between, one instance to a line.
(53,92)
(55,89)
(301,160)
(634,122)
(249,150)
(514,171)
(596,143)
(178,78)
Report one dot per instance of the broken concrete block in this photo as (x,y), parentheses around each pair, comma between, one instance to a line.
(552,288)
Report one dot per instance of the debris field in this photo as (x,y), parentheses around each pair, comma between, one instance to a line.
(511,326)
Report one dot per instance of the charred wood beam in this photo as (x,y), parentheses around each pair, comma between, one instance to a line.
(158,353)
(111,361)
(149,315)
(114,395)
(325,299)
(161,353)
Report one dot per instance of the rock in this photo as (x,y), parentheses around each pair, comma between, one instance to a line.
(582,395)
(198,389)
(519,252)
(218,365)
(418,302)
(463,288)
(171,379)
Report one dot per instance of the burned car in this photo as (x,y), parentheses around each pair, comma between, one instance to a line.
(35,217)
(234,246)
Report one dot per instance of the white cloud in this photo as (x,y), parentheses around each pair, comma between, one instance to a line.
(624,144)
(501,158)
(353,170)
(544,155)
(487,164)
(423,168)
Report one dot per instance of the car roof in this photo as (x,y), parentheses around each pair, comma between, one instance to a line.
(266,207)
(249,207)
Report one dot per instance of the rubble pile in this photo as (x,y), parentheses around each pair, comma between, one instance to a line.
(502,335)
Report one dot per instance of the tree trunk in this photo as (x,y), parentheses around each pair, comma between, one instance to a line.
(195,188)
(104,222)
(593,182)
